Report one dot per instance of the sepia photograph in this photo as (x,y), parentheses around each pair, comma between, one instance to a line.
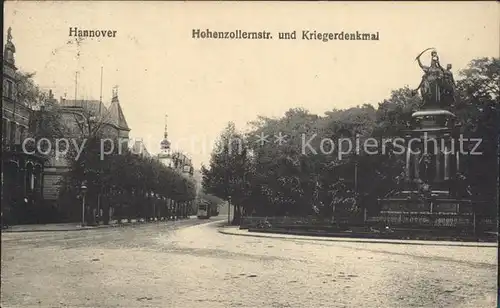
(250,154)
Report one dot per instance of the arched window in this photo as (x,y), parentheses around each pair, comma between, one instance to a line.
(12,131)
(10,89)
(22,132)
(29,178)
(5,130)
(38,178)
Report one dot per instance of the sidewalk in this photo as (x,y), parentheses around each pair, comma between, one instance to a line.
(54,227)
(79,227)
(238,232)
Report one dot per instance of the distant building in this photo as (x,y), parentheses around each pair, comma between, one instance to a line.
(80,116)
(177,161)
(78,113)
(165,155)
(139,148)
(22,172)
(182,164)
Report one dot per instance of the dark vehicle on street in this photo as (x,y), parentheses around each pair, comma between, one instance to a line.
(203,210)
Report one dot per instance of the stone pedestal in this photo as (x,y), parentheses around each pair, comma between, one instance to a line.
(433,151)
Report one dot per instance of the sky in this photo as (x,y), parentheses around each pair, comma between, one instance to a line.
(203,84)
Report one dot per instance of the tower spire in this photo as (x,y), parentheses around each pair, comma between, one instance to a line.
(166,127)
(115,93)
(165,144)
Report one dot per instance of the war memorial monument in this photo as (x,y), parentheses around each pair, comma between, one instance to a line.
(435,194)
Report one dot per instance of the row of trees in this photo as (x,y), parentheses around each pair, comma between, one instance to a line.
(134,185)
(266,178)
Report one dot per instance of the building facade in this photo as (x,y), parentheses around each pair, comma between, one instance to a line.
(22,172)
(82,118)
(175,160)
(165,155)
(139,148)
(179,162)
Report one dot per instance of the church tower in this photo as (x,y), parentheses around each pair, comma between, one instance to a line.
(9,93)
(165,155)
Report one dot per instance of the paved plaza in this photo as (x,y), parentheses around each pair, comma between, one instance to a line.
(191,264)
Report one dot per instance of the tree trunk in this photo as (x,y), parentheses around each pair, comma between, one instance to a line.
(237,215)
(105,208)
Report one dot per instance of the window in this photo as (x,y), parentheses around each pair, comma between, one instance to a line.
(22,131)
(10,88)
(5,130)
(17,134)
(29,178)
(12,131)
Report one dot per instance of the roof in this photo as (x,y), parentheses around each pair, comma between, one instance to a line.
(110,115)
(435,112)
(165,144)
(94,107)
(116,114)
(139,148)
(185,160)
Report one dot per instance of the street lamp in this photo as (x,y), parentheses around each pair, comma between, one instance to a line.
(229,210)
(83,189)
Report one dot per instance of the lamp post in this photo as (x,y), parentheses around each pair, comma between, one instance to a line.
(83,189)
(91,121)
(229,210)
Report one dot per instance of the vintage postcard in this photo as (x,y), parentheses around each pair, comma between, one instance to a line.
(250,154)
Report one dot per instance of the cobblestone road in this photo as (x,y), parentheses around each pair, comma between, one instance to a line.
(189,264)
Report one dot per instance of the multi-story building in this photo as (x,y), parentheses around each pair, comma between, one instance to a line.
(22,171)
(175,160)
(182,164)
(165,155)
(81,117)
(139,148)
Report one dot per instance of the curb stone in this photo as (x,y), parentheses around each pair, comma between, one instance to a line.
(350,240)
(59,230)
(114,225)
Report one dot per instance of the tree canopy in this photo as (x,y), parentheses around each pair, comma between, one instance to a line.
(273,176)
(45,119)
